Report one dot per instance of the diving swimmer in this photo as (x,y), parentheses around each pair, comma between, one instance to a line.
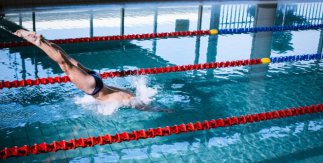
(85,79)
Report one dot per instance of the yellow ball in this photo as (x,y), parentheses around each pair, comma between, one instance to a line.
(213,31)
(265,60)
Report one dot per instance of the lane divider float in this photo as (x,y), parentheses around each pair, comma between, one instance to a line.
(168,34)
(160,70)
(153,132)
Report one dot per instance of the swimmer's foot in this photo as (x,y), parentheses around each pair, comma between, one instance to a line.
(31,37)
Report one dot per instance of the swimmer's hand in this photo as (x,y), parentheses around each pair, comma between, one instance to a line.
(31,37)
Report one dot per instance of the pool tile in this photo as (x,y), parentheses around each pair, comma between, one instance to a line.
(94,132)
(198,147)
(4,132)
(33,125)
(59,161)
(81,134)
(118,146)
(145,160)
(51,138)
(125,155)
(62,122)
(205,156)
(103,148)
(161,161)
(123,128)
(175,160)
(88,151)
(36,139)
(79,127)
(19,133)
(188,136)
(58,155)
(45,157)
(153,123)
(10,160)
(106,157)
(173,150)
(72,153)
(48,130)
(191,158)
(111,131)
(26,159)
(216,152)
(65,132)
(7,141)
(155,154)
(133,144)
(150,141)
(66,127)
(34,130)
(21,142)
(164,123)
(66,136)
(108,125)
(127,161)
(135,153)
(188,117)
(204,115)
(80,159)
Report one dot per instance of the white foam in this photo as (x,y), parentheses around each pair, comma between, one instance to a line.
(144,96)
(105,108)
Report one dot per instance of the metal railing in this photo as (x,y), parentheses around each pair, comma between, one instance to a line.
(236,16)
(300,13)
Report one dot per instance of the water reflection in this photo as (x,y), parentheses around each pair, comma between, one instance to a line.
(196,95)
(220,143)
(282,41)
(29,62)
(98,21)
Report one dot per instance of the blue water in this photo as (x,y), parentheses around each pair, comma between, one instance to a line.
(62,112)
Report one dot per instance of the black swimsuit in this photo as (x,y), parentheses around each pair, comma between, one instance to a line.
(98,82)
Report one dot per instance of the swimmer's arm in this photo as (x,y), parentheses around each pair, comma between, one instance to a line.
(54,51)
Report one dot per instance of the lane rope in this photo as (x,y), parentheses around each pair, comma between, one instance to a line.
(159,131)
(160,70)
(168,34)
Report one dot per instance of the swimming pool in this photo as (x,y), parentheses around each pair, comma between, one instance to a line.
(47,113)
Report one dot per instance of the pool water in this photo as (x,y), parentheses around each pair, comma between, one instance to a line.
(47,113)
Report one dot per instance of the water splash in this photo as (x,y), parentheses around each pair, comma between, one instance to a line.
(144,96)
(88,102)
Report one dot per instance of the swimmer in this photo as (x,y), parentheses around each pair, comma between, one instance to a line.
(85,79)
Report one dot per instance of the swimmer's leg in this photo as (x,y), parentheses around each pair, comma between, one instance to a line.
(77,73)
